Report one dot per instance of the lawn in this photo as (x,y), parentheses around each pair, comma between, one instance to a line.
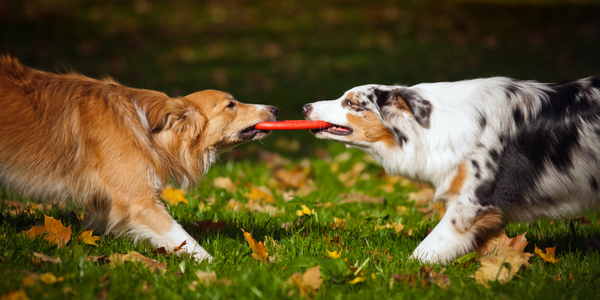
(312,203)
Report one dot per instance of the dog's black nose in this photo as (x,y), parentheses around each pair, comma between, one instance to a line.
(273,110)
(306,108)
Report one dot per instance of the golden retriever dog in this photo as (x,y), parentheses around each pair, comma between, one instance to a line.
(112,148)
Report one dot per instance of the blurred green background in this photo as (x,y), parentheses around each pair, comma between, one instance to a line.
(288,53)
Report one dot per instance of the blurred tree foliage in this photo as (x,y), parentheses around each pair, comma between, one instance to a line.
(291,52)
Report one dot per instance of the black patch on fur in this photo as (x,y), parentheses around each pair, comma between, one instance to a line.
(594,183)
(476,167)
(381,97)
(518,117)
(418,106)
(494,154)
(546,140)
(489,165)
(453,222)
(482,121)
(512,89)
(400,137)
(595,81)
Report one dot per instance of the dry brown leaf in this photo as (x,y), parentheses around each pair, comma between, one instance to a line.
(53,231)
(425,277)
(500,241)
(360,198)
(294,178)
(308,282)
(273,160)
(260,252)
(337,224)
(235,205)
(208,278)
(209,225)
(88,238)
(349,178)
(500,250)
(422,197)
(117,259)
(225,183)
(501,267)
(260,193)
(40,257)
(257,206)
(439,279)
(549,256)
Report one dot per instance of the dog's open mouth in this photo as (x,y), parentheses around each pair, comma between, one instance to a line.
(335,130)
(253,133)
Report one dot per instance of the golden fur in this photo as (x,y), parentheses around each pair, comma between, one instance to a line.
(112,148)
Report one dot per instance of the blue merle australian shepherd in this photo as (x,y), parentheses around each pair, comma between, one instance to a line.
(496,150)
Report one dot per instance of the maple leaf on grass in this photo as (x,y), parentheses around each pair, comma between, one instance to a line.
(132,256)
(260,252)
(549,256)
(53,231)
(173,196)
(88,238)
(504,257)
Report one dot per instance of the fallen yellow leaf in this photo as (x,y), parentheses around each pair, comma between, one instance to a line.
(549,256)
(334,254)
(15,295)
(173,196)
(397,227)
(88,238)
(260,193)
(49,278)
(260,252)
(304,211)
(356,280)
(29,280)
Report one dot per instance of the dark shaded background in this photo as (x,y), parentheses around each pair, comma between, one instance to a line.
(287,53)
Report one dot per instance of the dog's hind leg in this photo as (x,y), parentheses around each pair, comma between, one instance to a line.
(458,232)
(147,218)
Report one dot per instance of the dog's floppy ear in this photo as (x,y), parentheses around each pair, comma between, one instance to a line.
(406,99)
(178,115)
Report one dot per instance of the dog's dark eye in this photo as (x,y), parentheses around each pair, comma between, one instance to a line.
(347,103)
(231,104)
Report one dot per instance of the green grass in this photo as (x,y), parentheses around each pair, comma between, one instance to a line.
(288,53)
(303,245)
